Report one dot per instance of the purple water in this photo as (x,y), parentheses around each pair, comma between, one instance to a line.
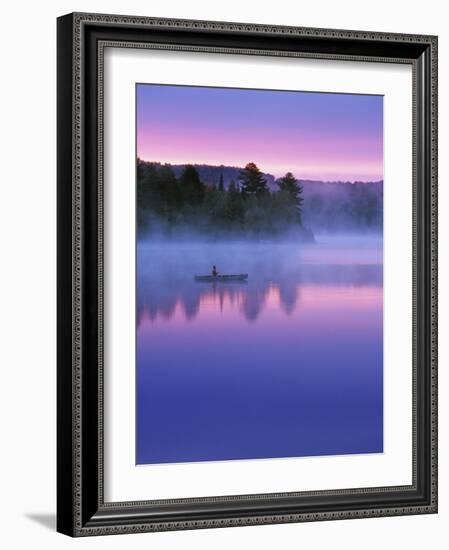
(288,364)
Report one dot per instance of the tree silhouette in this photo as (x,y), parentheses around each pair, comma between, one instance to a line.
(169,203)
(289,185)
(252,181)
(192,188)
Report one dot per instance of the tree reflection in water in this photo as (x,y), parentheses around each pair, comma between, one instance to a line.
(177,293)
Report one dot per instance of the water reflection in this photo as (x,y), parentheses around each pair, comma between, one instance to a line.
(181,295)
(288,364)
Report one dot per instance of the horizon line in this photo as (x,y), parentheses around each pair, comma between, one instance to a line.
(326,180)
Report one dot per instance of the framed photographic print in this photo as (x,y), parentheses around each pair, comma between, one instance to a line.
(247,284)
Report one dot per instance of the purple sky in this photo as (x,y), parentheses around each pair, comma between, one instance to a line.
(314,135)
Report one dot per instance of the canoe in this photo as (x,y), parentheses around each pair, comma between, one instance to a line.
(222,278)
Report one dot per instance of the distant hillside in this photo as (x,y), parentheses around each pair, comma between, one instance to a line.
(210,175)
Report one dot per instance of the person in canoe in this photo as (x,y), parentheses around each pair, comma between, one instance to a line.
(214,271)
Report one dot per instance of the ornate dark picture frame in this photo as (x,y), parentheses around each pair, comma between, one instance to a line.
(81,510)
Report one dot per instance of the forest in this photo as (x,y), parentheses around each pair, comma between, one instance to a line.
(230,201)
(171,204)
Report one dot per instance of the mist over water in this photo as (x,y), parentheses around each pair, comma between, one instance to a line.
(166,272)
(288,363)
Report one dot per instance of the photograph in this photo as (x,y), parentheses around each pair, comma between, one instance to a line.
(225,219)
(259,273)
(246,273)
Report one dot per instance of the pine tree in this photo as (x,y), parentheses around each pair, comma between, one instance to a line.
(192,188)
(289,184)
(252,181)
(167,188)
(234,205)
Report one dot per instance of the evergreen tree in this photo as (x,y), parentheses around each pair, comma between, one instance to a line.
(166,187)
(235,205)
(289,184)
(192,188)
(252,181)
(149,191)
(168,204)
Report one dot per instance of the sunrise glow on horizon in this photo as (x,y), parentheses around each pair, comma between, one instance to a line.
(318,136)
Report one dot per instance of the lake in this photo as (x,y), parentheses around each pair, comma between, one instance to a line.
(289,363)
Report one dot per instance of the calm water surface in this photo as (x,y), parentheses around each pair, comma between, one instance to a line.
(288,364)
